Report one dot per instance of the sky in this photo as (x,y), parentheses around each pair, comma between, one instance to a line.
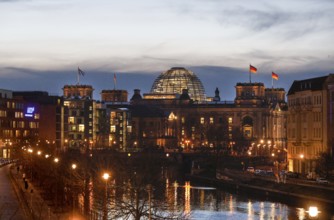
(42,42)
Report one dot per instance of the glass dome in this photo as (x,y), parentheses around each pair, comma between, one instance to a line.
(177,78)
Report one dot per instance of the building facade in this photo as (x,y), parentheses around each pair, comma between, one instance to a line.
(19,123)
(254,123)
(310,122)
(81,121)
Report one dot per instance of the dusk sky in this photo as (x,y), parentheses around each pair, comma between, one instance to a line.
(42,42)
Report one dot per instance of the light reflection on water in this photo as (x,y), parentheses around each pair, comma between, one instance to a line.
(209,203)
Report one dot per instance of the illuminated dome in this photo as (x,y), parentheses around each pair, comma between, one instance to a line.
(177,78)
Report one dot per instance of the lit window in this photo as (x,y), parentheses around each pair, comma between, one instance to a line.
(182,120)
(81,128)
(211,120)
(230,120)
(202,120)
(4,114)
(66,103)
(71,120)
(112,128)
(36,116)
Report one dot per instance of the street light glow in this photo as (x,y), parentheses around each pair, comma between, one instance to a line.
(106,176)
(313,211)
(56,160)
(74,166)
(39,152)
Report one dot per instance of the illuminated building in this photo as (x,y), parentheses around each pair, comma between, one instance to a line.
(51,118)
(114,96)
(310,122)
(19,122)
(81,124)
(174,80)
(257,113)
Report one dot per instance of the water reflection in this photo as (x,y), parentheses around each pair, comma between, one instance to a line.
(210,203)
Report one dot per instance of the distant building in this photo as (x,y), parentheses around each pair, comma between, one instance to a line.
(114,96)
(169,117)
(310,122)
(19,123)
(81,124)
(52,116)
(174,80)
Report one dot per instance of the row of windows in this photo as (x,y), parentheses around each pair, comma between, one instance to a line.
(79,128)
(16,133)
(317,100)
(317,132)
(317,117)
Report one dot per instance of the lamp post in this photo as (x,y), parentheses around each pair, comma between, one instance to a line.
(301,163)
(187,142)
(56,160)
(105,176)
(74,166)
(30,152)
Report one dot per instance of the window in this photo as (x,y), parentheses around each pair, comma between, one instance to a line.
(112,128)
(202,120)
(211,120)
(71,120)
(81,128)
(230,120)
(4,113)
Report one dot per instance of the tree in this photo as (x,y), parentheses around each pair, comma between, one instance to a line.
(325,164)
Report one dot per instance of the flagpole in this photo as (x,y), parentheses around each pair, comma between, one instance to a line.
(250,78)
(114,81)
(78,77)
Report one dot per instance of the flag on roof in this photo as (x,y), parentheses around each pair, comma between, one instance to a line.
(252,69)
(274,75)
(80,72)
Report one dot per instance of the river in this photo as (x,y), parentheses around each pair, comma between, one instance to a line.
(211,203)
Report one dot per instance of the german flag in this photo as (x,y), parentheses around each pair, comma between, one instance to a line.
(274,76)
(252,69)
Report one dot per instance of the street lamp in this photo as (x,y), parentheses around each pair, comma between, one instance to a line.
(105,176)
(30,151)
(187,142)
(74,166)
(301,163)
(56,160)
(313,212)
